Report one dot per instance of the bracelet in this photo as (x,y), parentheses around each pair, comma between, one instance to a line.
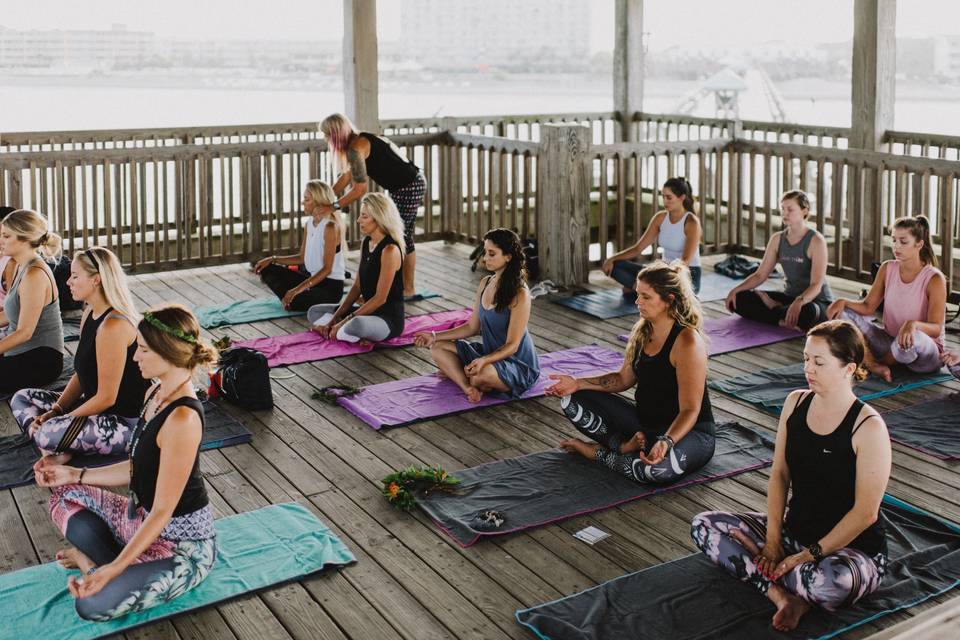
(434,334)
(667,439)
(83,470)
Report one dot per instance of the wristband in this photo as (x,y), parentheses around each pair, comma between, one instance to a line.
(83,470)
(667,439)
(816,551)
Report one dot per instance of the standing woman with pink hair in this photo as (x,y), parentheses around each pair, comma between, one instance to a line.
(358,156)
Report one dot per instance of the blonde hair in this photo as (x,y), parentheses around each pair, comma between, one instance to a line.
(113,281)
(323,193)
(384,213)
(672,283)
(338,130)
(29,226)
(187,354)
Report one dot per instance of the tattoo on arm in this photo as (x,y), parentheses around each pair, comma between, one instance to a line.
(358,168)
(606,381)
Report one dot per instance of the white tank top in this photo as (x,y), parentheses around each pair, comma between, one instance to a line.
(672,240)
(313,255)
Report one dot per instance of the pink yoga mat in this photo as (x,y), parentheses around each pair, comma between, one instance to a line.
(308,346)
(732,333)
(403,402)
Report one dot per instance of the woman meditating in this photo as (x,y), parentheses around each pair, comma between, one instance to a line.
(322,252)
(914,296)
(31,351)
(359,155)
(669,431)
(833,452)
(379,281)
(100,407)
(802,252)
(505,360)
(8,268)
(676,229)
(138,551)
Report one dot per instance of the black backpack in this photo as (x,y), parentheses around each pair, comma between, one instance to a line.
(244,378)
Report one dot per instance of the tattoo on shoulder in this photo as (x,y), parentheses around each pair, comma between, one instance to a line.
(358,168)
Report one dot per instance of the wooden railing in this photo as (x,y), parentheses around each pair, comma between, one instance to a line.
(924,145)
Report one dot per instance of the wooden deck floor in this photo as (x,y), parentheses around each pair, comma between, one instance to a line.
(411,581)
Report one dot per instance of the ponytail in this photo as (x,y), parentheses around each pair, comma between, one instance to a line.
(682,189)
(919,228)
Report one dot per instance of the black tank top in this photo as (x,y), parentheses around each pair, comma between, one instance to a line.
(132,385)
(823,474)
(386,167)
(369,273)
(145,457)
(658,394)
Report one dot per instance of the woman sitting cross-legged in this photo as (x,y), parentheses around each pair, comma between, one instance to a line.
(379,284)
(322,253)
(914,296)
(141,551)
(833,452)
(100,407)
(669,431)
(505,361)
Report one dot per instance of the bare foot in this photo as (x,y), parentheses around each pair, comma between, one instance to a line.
(880,370)
(72,558)
(473,394)
(60,458)
(790,608)
(585,449)
(769,302)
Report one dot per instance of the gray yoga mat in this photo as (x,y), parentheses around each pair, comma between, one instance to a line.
(690,598)
(769,388)
(542,488)
(931,427)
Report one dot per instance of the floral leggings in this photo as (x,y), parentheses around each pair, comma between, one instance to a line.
(95,522)
(103,434)
(839,580)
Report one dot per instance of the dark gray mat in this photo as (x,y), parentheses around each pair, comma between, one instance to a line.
(17,452)
(538,489)
(931,427)
(690,598)
(769,388)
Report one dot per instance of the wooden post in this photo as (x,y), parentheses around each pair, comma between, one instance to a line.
(563,195)
(360,80)
(628,64)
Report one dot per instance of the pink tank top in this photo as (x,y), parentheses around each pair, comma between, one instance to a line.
(903,301)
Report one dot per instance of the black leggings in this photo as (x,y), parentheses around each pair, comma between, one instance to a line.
(281,279)
(610,420)
(34,368)
(749,305)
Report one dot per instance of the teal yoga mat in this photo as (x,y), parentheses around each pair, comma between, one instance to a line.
(257,549)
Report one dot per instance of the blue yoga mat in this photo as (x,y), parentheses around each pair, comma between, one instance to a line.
(258,549)
(243,311)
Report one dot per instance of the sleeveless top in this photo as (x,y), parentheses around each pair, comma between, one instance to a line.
(369,273)
(49,329)
(145,457)
(493,332)
(313,251)
(388,168)
(132,384)
(904,301)
(4,261)
(823,474)
(673,238)
(797,266)
(658,394)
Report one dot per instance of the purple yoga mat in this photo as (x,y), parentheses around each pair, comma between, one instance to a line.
(308,346)
(732,333)
(403,402)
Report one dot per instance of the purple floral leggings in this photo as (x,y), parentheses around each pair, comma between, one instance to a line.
(839,580)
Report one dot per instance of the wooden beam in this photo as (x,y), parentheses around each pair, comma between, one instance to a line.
(628,64)
(874,71)
(360,76)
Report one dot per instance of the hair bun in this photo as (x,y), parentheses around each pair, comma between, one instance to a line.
(923,222)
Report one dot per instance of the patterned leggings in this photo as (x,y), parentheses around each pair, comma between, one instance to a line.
(95,522)
(408,200)
(610,420)
(839,580)
(922,357)
(103,434)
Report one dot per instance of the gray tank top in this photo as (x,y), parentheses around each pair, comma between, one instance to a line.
(797,266)
(49,330)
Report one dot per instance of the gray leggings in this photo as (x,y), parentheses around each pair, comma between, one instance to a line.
(372,328)
(922,357)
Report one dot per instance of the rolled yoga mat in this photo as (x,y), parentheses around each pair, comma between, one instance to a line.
(401,402)
(692,598)
(308,346)
(18,453)
(769,388)
(258,549)
(542,488)
(733,333)
(931,427)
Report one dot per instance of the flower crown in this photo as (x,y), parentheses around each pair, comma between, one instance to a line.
(159,324)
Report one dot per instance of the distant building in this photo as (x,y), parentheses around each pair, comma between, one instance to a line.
(946,57)
(506,34)
(96,49)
